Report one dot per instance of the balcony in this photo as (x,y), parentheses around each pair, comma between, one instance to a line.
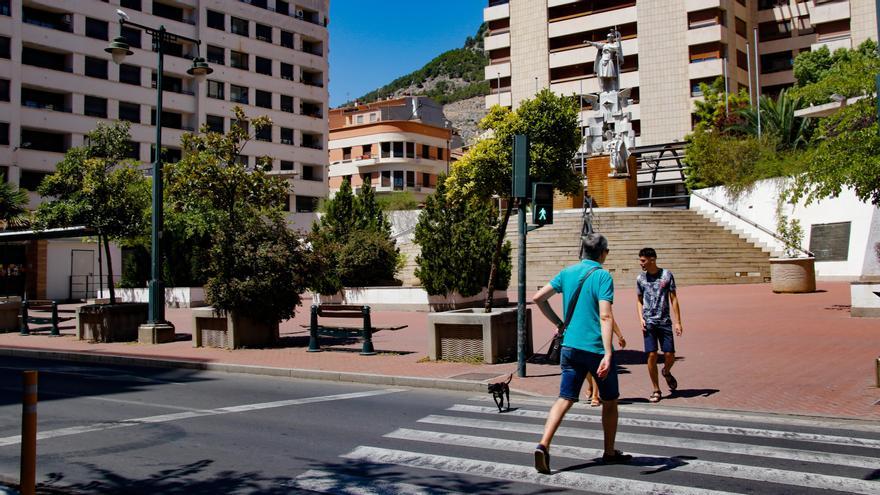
(46,100)
(497,41)
(705,34)
(496,70)
(171,12)
(46,19)
(46,59)
(829,12)
(496,10)
(599,20)
(312,79)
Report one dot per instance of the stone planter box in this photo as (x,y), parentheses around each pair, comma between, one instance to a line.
(865,301)
(406,299)
(175,297)
(110,322)
(793,275)
(467,334)
(212,328)
(10,309)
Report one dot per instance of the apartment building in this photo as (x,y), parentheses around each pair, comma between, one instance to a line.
(57,83)
(400,144)
(670,47)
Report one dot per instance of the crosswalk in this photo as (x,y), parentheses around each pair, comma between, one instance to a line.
(471,448)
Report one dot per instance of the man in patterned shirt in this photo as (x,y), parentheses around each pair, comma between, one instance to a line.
(655,287)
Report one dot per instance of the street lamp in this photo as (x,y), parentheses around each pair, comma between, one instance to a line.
(157,330)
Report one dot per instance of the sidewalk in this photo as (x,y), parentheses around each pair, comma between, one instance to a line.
(743,348)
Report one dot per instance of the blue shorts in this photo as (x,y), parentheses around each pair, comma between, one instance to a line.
(576,364)
(661,333)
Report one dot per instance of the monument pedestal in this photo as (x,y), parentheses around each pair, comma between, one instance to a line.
(610,192)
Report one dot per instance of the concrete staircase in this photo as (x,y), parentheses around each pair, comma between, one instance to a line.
(407,273)
(696,249)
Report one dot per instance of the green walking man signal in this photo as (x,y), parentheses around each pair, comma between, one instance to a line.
(542,203)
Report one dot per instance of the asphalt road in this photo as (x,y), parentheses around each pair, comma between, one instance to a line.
(141,430)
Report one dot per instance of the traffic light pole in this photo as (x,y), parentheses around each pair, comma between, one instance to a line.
(521,336)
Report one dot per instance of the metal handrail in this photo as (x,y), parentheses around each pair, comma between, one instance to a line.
(760,227)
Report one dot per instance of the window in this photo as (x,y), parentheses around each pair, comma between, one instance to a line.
(215,123)
(130,112)
(367,150)
(310,172)
(397,148)
(263,66)
(360,119)
(282,7)
(426,151)
(238,94)
(286,136)
(426,180)
(286,39)
(4,47)
(4,90)
(263,32)
(30,179)
(372,117)
(397,185)
(410,179)
(386,149)
(130,74)
(306,204)
(263,99)
(4,10)
(96,28)
(346,153)
(132,150)
(243,160)
(410,150)
(386,179)
(239,26)
(742,60)
(286,103)
(130,4)
(95,107)
(4,133)
(286,71)
(95,67)
(132,36)
(238,60)
(286,165)
(440,152)
(216,55)
(741,28)
(216,20)
(264,134)
(215,89)
(776,62)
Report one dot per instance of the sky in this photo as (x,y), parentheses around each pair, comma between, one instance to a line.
(373,42)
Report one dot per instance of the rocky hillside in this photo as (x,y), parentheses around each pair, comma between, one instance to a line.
(454,79)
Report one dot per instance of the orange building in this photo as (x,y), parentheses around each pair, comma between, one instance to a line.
(400,144)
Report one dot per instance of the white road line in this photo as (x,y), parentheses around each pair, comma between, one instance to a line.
(164,418)
(667,441)
(514,473)
(746,417)
(679,426)
(344,484)
(721,469)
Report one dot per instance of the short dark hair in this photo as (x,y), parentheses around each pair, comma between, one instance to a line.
(648,253)
(593,245)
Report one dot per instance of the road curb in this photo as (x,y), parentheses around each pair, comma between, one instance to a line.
(336,376)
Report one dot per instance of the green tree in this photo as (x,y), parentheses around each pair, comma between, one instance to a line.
(719,110)
(255,265)
(13,206)
(778,121)
(551,123)
(846,73)
(457,240)
(96,186)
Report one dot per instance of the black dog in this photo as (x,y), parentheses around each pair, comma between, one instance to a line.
(500,391)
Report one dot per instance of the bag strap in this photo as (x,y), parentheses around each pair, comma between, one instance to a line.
(569,313)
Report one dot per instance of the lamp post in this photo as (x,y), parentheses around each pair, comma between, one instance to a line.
(156,330)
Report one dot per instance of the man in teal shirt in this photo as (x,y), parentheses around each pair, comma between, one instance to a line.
(586,345)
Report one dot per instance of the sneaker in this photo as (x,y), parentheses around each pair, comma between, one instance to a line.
(542,459)
(617,458)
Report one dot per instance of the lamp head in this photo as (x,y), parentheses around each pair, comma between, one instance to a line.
(199,69)
(118,49)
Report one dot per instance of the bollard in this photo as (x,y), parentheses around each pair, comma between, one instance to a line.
(55,332)
(29,433)
(25,329)
(878,372)
(313,331)
(367,349)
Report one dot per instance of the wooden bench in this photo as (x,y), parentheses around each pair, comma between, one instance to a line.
(341,311)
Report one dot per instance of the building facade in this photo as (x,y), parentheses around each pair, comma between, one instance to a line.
(670,47)
(400,144)
(268,56)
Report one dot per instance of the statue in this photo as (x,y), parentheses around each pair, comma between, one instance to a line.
(609,60)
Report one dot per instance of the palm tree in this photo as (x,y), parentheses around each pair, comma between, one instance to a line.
(778,121)
(13,207)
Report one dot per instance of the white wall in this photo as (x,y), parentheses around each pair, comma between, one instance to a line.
(58,256)
(759,206)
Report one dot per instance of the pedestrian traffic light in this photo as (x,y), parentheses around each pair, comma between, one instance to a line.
(542,203)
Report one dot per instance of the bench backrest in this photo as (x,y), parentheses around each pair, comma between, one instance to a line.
(341,310)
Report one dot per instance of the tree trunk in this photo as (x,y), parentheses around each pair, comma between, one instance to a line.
(109,269)
(496,256)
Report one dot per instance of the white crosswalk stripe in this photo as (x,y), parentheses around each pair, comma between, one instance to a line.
(466,445)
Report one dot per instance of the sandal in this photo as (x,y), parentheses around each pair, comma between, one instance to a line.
(595,402)
(655,397)
(542,459)
(617,457)
(670,380)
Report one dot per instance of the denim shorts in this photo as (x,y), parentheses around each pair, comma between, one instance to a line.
(576,364)
(659,333)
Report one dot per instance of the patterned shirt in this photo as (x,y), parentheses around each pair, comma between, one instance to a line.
(654,290)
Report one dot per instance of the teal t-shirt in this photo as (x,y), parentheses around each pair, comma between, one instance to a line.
(584,332)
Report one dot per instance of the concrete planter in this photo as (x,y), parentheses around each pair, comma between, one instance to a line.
(175,297)
(406,299)
(110,322)
(793,275)
(865,301)
(10,309)
(467,334)
(213,328)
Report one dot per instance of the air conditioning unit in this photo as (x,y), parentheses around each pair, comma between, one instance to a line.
(67,18)
(300,14)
